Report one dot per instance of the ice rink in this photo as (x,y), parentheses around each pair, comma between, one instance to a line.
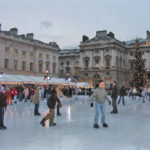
(128,130)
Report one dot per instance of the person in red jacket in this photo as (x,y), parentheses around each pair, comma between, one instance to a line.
(8,93)
(15,92)
(2,108)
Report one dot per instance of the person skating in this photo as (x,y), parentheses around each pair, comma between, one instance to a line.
(99,95)
(36,99)
(51,105)
(122,94)
(15,92)
(3,107)
(114,97)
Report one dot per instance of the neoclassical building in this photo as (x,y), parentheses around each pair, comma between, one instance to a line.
(22,54)
(106,58)
(101,58)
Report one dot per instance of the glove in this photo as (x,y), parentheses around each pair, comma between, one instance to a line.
(91,104)
(109,102)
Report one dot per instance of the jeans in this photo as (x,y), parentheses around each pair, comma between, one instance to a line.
(2,110)
(36,109)
(15,98)
(121,97)
(26,98)
(114,104)
(20,97)
(47,96)
(42,96)
(99,107)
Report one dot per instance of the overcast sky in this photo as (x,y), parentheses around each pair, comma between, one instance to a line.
(65,21)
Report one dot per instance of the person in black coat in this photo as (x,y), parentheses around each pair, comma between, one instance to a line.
(114,97)
(2,109)
(122,94)
(51,105)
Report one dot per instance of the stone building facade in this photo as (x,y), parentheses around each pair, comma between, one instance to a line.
(106,58)
(22,54)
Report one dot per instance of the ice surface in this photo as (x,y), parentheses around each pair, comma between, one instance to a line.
(128,130)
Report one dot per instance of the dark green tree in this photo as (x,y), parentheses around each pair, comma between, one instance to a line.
(138,77)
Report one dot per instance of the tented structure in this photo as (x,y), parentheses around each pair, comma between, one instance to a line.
(22,79)
(83,85)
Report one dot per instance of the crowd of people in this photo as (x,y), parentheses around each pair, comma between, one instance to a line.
(52,95)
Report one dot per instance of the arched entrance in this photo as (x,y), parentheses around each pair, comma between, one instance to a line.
(96,79)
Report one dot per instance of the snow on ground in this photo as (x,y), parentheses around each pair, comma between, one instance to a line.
(128,130)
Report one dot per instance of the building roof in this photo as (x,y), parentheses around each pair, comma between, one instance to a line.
(68,51)
(133,42)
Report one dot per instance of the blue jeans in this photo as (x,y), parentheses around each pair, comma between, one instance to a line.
(36,109)
(20,97)
(121,97)
(26,98)
(99,107)
(42,96)
(47,96)
(2,110)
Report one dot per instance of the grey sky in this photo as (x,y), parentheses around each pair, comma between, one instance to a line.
(65,21)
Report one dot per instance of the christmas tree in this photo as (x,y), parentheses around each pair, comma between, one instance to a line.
(138,77)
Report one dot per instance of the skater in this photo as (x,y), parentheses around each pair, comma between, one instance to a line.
(51,105)
(114,97)
(21,89)
(36,99)
(143,95)
(59,94)
(134,92)
(99,96)
(148,92)
(15,92)
(8,93)
(3,107)
(122,94)
(26,93)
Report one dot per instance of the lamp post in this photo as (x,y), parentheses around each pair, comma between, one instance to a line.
(47,76)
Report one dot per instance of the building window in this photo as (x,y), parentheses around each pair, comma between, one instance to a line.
(15,52)
(68,63)
(23,53)
(61,72)
(40,56)
(47,66)
(6,50)
(86,74)
(31,55)
(54,67)
(97,51)
(6,64)
(86,63)
(47,56)
(108,62)
(40,67)
(76,63)
(131,54)
(15,64)
(54,58)
(31,66)
(107,73)
(23,66)
(62,63)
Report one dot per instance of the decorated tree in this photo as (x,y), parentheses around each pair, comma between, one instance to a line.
(138,77)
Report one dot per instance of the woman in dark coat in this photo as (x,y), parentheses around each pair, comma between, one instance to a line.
(2,109)
(51,105)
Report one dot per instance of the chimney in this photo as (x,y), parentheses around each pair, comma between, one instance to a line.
(85,38)
(111,35)
(14,31)
(53,44)
(29,35)
(148,38)
(100,34)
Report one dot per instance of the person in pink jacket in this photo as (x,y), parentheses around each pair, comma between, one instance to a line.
(26,93)
(15,92)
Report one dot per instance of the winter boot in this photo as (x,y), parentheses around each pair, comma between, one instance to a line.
(43,122)
(105,125)
(96,126)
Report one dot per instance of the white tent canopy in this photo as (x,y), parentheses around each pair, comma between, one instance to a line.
(19,79)
(83,85)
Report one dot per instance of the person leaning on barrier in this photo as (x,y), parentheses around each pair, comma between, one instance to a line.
(99,95)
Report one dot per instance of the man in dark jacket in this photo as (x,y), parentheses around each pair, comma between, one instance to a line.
(2,108)
(51,105)
(114,97)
